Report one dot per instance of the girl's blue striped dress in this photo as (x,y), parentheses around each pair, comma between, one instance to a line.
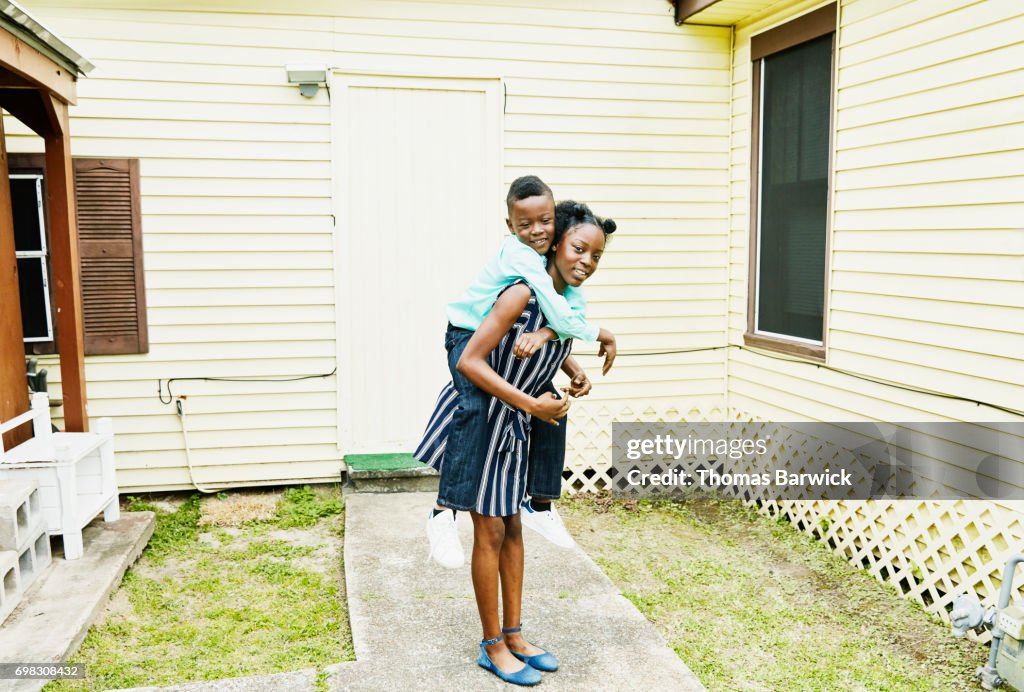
(503,482)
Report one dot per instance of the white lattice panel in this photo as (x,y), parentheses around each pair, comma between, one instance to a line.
(588,454)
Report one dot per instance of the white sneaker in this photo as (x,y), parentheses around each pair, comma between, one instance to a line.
(445,547)
(547,524)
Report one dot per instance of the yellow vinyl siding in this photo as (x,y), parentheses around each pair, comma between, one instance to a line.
(608,102)
(927,259)
(956,115)
(926,277)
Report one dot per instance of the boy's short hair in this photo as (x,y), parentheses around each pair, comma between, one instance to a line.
(527,186)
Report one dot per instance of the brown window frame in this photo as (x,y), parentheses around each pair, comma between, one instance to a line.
(95,344)
(805,28)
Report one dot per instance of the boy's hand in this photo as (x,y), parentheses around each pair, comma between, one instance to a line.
(549,409)
(531,342)
(608,350)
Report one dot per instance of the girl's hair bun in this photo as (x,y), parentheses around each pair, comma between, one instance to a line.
(569,214)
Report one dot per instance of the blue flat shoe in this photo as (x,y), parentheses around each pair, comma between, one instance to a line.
(544,661)
(525,676)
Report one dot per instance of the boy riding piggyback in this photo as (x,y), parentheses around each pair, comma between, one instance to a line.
(531,221)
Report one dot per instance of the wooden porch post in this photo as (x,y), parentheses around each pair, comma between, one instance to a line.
(60,199)
(13,384)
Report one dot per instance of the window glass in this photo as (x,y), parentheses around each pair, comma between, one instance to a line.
(796,87)
(35,314)
(24,202)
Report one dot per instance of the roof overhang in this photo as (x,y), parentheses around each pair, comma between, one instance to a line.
(718,12)
(16,20)
(35,65)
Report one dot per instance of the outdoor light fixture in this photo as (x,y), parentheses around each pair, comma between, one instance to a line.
(309,77)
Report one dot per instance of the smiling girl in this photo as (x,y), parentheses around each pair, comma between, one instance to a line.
(489,362)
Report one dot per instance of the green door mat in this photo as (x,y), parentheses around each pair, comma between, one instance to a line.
(381,462)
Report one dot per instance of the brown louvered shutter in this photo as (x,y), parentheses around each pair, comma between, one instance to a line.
(110,249)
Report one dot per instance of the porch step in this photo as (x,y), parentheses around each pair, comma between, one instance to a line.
(20,570)
(53,617)
(21,514)
(34,558)
(10,589)
(388,473)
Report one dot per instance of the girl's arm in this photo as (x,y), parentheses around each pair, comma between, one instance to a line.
(580,383)
(571,367)
(473,362)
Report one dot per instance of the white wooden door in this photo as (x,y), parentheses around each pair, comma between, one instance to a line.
(418,208)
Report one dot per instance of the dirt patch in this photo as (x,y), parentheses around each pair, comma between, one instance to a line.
(312,537)
(169,568)
(118,606)
(239,508)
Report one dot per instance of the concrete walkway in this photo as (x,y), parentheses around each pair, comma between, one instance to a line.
(415,625)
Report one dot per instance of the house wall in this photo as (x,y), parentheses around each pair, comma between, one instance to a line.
(926,248)
(927,262)
(609,102)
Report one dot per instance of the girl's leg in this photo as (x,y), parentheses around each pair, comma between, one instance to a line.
(511,570)
(488,538)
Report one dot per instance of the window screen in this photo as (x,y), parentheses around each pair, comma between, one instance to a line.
(796,86)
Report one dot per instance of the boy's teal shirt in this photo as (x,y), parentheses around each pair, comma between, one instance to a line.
(565,313)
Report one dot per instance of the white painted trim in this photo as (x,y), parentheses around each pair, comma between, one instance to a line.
(41,254)
(342,287)
(787,337)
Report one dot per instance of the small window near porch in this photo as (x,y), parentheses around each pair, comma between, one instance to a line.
(32,254)
(790,171)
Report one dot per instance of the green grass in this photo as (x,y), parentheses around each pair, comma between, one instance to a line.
(175,531)
(205,603)
(748,602)
(302,507)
